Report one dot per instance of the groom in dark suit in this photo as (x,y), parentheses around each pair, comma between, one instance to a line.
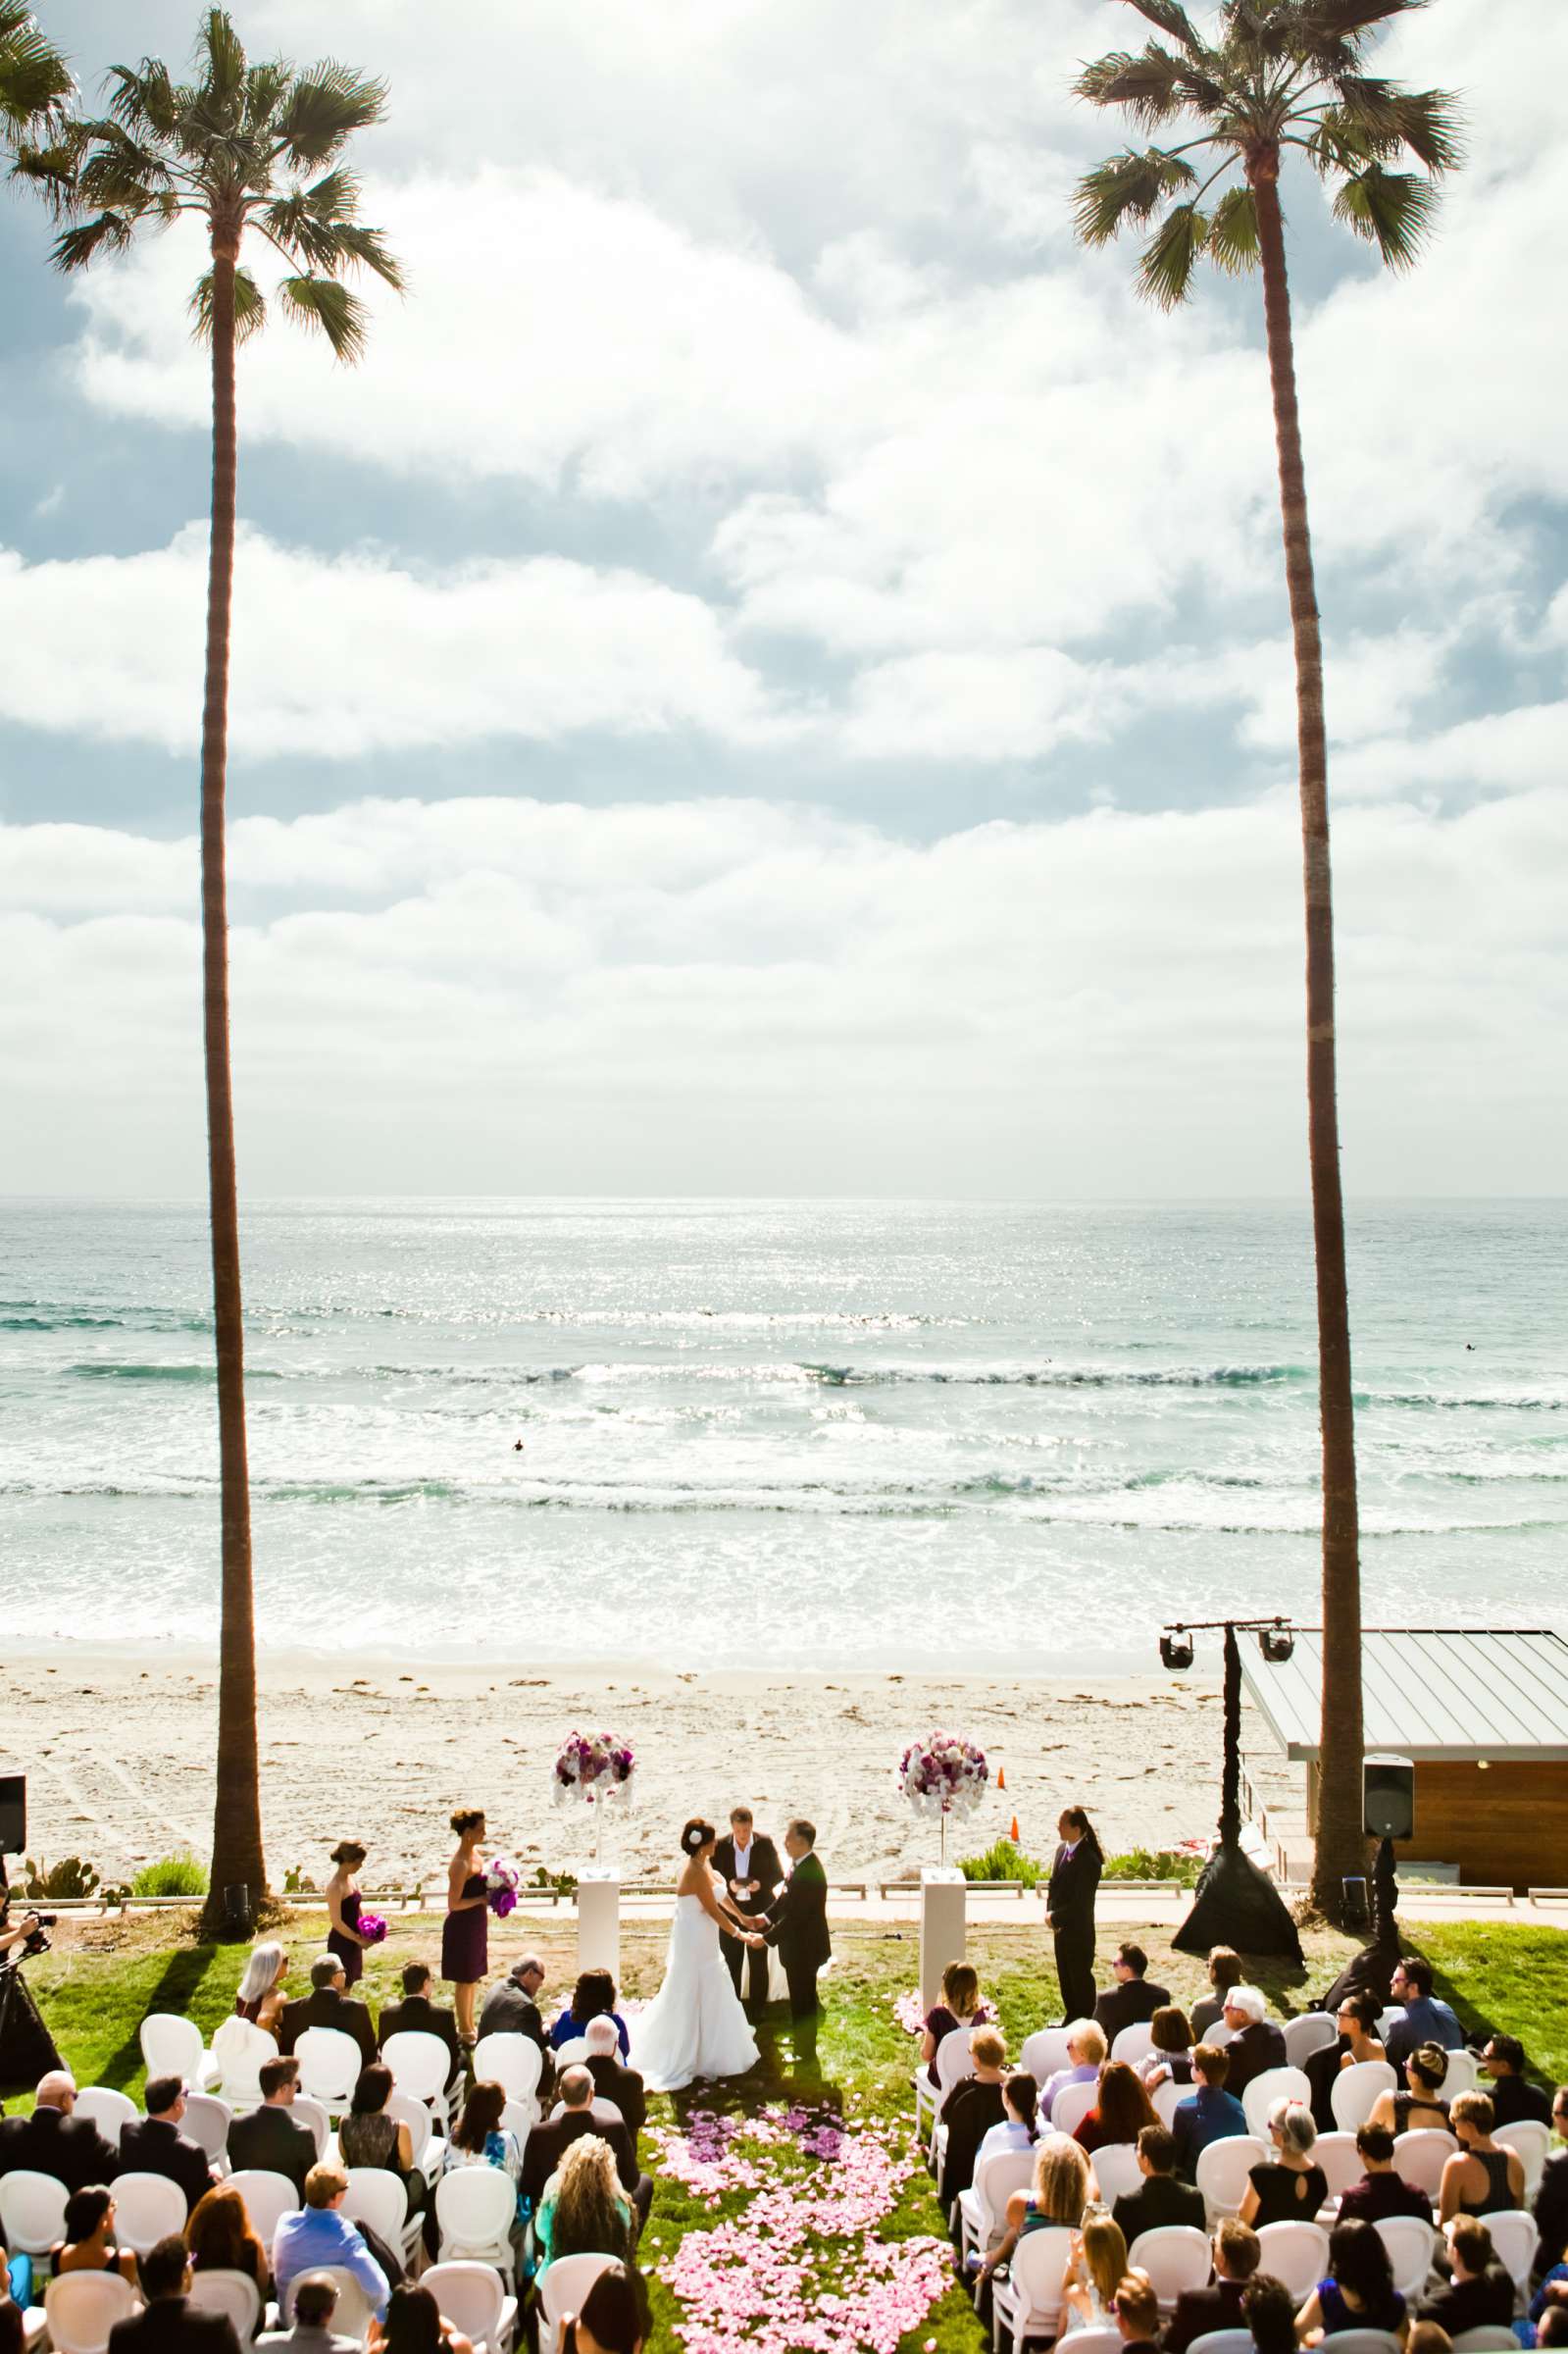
(797,1924)
(748,1865)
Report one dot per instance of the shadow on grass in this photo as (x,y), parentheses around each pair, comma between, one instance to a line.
(787,2071)
(183,1974)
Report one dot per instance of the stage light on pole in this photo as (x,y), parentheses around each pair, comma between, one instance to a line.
(1175,1650)
(1275,1644)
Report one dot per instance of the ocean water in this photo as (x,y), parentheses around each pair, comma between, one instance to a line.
(761,1434)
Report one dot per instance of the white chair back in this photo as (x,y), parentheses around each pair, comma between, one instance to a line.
(568,2054)
(232,2293)
(110,2112)
(412,2113)
(351,2315)
(1356,2091)
(1033,2293)
(207,2121)
(420,2064)
(1462,2075)
(605,2112)
(515,2062)
(1274,2085)
(330,2063)
(1175,2257)
(172,2046)
(1387,2018)
(996,2177)
(1420,2157)
(1222,2341)
(1372,2341)
(239,2048)
(1309,2033)
(1134,2044)
(1165,2098)
(32,2212)
(1071,2106)
(954,2062)
(1101,2342)
(476,2207)
(1296,2253)
(1222,2172)
(472,2300)
(1340,2161)
(564,2285)
(267,2198)
(1043,2053)
(520,2118)
(376,2196)
(306,2111)
(81,2308)
(1515,2239)
(1532,2141)
(1116,2171)
(1490,2338)
(148,2208)
(1410,2243)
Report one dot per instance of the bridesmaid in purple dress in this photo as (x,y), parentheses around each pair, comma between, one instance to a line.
(465,1949)
(344,1902)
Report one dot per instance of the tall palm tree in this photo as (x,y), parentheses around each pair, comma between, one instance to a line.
(236,147)
(36,80)
(1270,76)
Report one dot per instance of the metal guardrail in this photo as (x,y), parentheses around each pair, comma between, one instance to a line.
(1548,1896)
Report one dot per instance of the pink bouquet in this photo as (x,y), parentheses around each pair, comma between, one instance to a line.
(592,1766)
(372,1929)
(501,1887)
(943,1774)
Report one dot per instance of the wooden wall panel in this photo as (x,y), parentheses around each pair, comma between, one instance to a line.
(1501,1824)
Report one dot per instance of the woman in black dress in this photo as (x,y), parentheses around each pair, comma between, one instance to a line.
(465,1941)
(344,1903)
(1070,1912)
(1292,2187)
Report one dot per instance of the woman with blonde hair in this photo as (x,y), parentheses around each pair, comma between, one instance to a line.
(583,2212)
(1482,2178)
(260,1995)
(1094,2268)
(344,1902)
(1057,2199)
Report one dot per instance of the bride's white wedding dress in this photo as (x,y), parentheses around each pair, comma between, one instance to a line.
(695,2027)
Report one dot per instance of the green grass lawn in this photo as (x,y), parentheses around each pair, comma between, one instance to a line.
(98,1985)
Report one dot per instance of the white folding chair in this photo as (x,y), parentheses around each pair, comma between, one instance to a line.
(1341,2163)
(476,2207)
(207,2121)
(330,2063)
(1388,2017)
(232,2293)
(562,2286)
(1515,2239)
(1371,2342)
(267,2198)
(32,2213)
(519,2117)
(1410,2243)
(1420,2157)
(1175,2256)
(1296,2253)
(1116,2171)
(239,2048)
(1222,2341)
(954,2063)
(604,2113)
(1100,2341)
(351,2315)
(1313,2032)
(983,2206)
(81,2308)
(1134,2044)
(1222,2173)
(514,2061)
(376,2196)
(474,2302)
(425,2146)
(110,2112)
(148,2208)
(1029,2302)
(172,2046)
(421,2065)
(1072,2105)
(1043,2053)
(1489,2337)
(568,2054)
(1531,2141)
(306,2111)
(1356,2091)
(1165,2098)
(1462,2075)
(1274,2085)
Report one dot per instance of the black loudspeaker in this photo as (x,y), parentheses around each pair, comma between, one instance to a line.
(1389,1797)
(13,1813)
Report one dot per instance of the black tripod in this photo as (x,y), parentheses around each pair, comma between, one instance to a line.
(26,2047)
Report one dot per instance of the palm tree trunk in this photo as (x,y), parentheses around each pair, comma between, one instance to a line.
(1341,1846)
(236,1816)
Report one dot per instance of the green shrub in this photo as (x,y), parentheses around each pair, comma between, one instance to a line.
(1002,1860)
(172,1876)
(1153,1863)
(71,1877)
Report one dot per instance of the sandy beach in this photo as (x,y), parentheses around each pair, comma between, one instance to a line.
(118,1753)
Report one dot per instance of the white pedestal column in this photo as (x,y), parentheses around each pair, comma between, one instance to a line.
(942,1927)
(599,1918)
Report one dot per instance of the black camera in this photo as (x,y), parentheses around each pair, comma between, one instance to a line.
(35,1942)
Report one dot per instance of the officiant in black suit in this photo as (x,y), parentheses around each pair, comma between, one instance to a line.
(1070,1912)
(797,1924)
(747,1862)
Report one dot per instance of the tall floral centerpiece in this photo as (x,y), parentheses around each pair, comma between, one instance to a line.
(591,1769)
(943,1774)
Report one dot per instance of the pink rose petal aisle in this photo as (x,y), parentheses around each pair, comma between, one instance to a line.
(802,2267)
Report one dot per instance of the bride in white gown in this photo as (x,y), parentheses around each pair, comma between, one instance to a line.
(695,2027)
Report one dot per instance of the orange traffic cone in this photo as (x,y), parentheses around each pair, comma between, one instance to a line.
(1001,1777)
(1013,1833)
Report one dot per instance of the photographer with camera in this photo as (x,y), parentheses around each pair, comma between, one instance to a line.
(26,2047)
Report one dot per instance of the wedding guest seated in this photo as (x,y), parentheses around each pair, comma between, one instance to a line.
(1294,2187)
(1425,2021)
(611,2080)
(89,2242)
(1380,2192)
(1515,2101)
(1268,2310)
(1094,2270)
(1209,2114)
(1482,2178)
(1358,2040)
(1237,2254)
(1169,2060)
(512,2006)
(614,2317)
(155,2145)
(268,2137)
(1160,2198)
(414,2325)
(959,2009)
(417,2015)
(1058,2196)
(1122,2109)
(1224,1971)
(1479,2290)
(168,2323)
(584,2211)
(1359,2291)
(1137,2314)
(367,2136)
(592,1997)
(328,2006)
(1019,2129)
(55,2141)
(479,2138)
(260,1997)
(1551,2199)
(548,2143)
(318,2237)
(973,2106)
(219,2238)
(315,2303)
(1132,2000)
(1419,2107)
(1087,2051)
(1256,2044)
(16,2279)
(1552,2328)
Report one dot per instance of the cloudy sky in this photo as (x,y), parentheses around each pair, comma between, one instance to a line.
(771,677)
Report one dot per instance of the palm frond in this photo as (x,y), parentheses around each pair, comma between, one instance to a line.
(334,196)
(1166,263)
(322,302)
(49,170)
(357,248)
(1148,85)
(221,53)
(1430,123)
(108,232)
(266,85)
(1393,210)
(1126,188)
(324,109)
(250,308)
(1233,238)
(35,81)
(1325,20)
(143,100)
(1171,19)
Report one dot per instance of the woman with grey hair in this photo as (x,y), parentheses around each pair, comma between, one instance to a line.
(1292,2187)
(260,1998)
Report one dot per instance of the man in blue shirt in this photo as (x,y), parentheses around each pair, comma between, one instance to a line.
(317,2237)
(1425,2019)
(1210,2113)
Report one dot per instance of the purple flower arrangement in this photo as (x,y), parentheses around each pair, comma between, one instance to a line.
(592,1766)
(372,1929)
(943,1774)
(501,1887)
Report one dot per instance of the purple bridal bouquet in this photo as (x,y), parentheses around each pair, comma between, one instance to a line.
(943,1774)
(592,1766)
(501,1887)
(372,1929)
